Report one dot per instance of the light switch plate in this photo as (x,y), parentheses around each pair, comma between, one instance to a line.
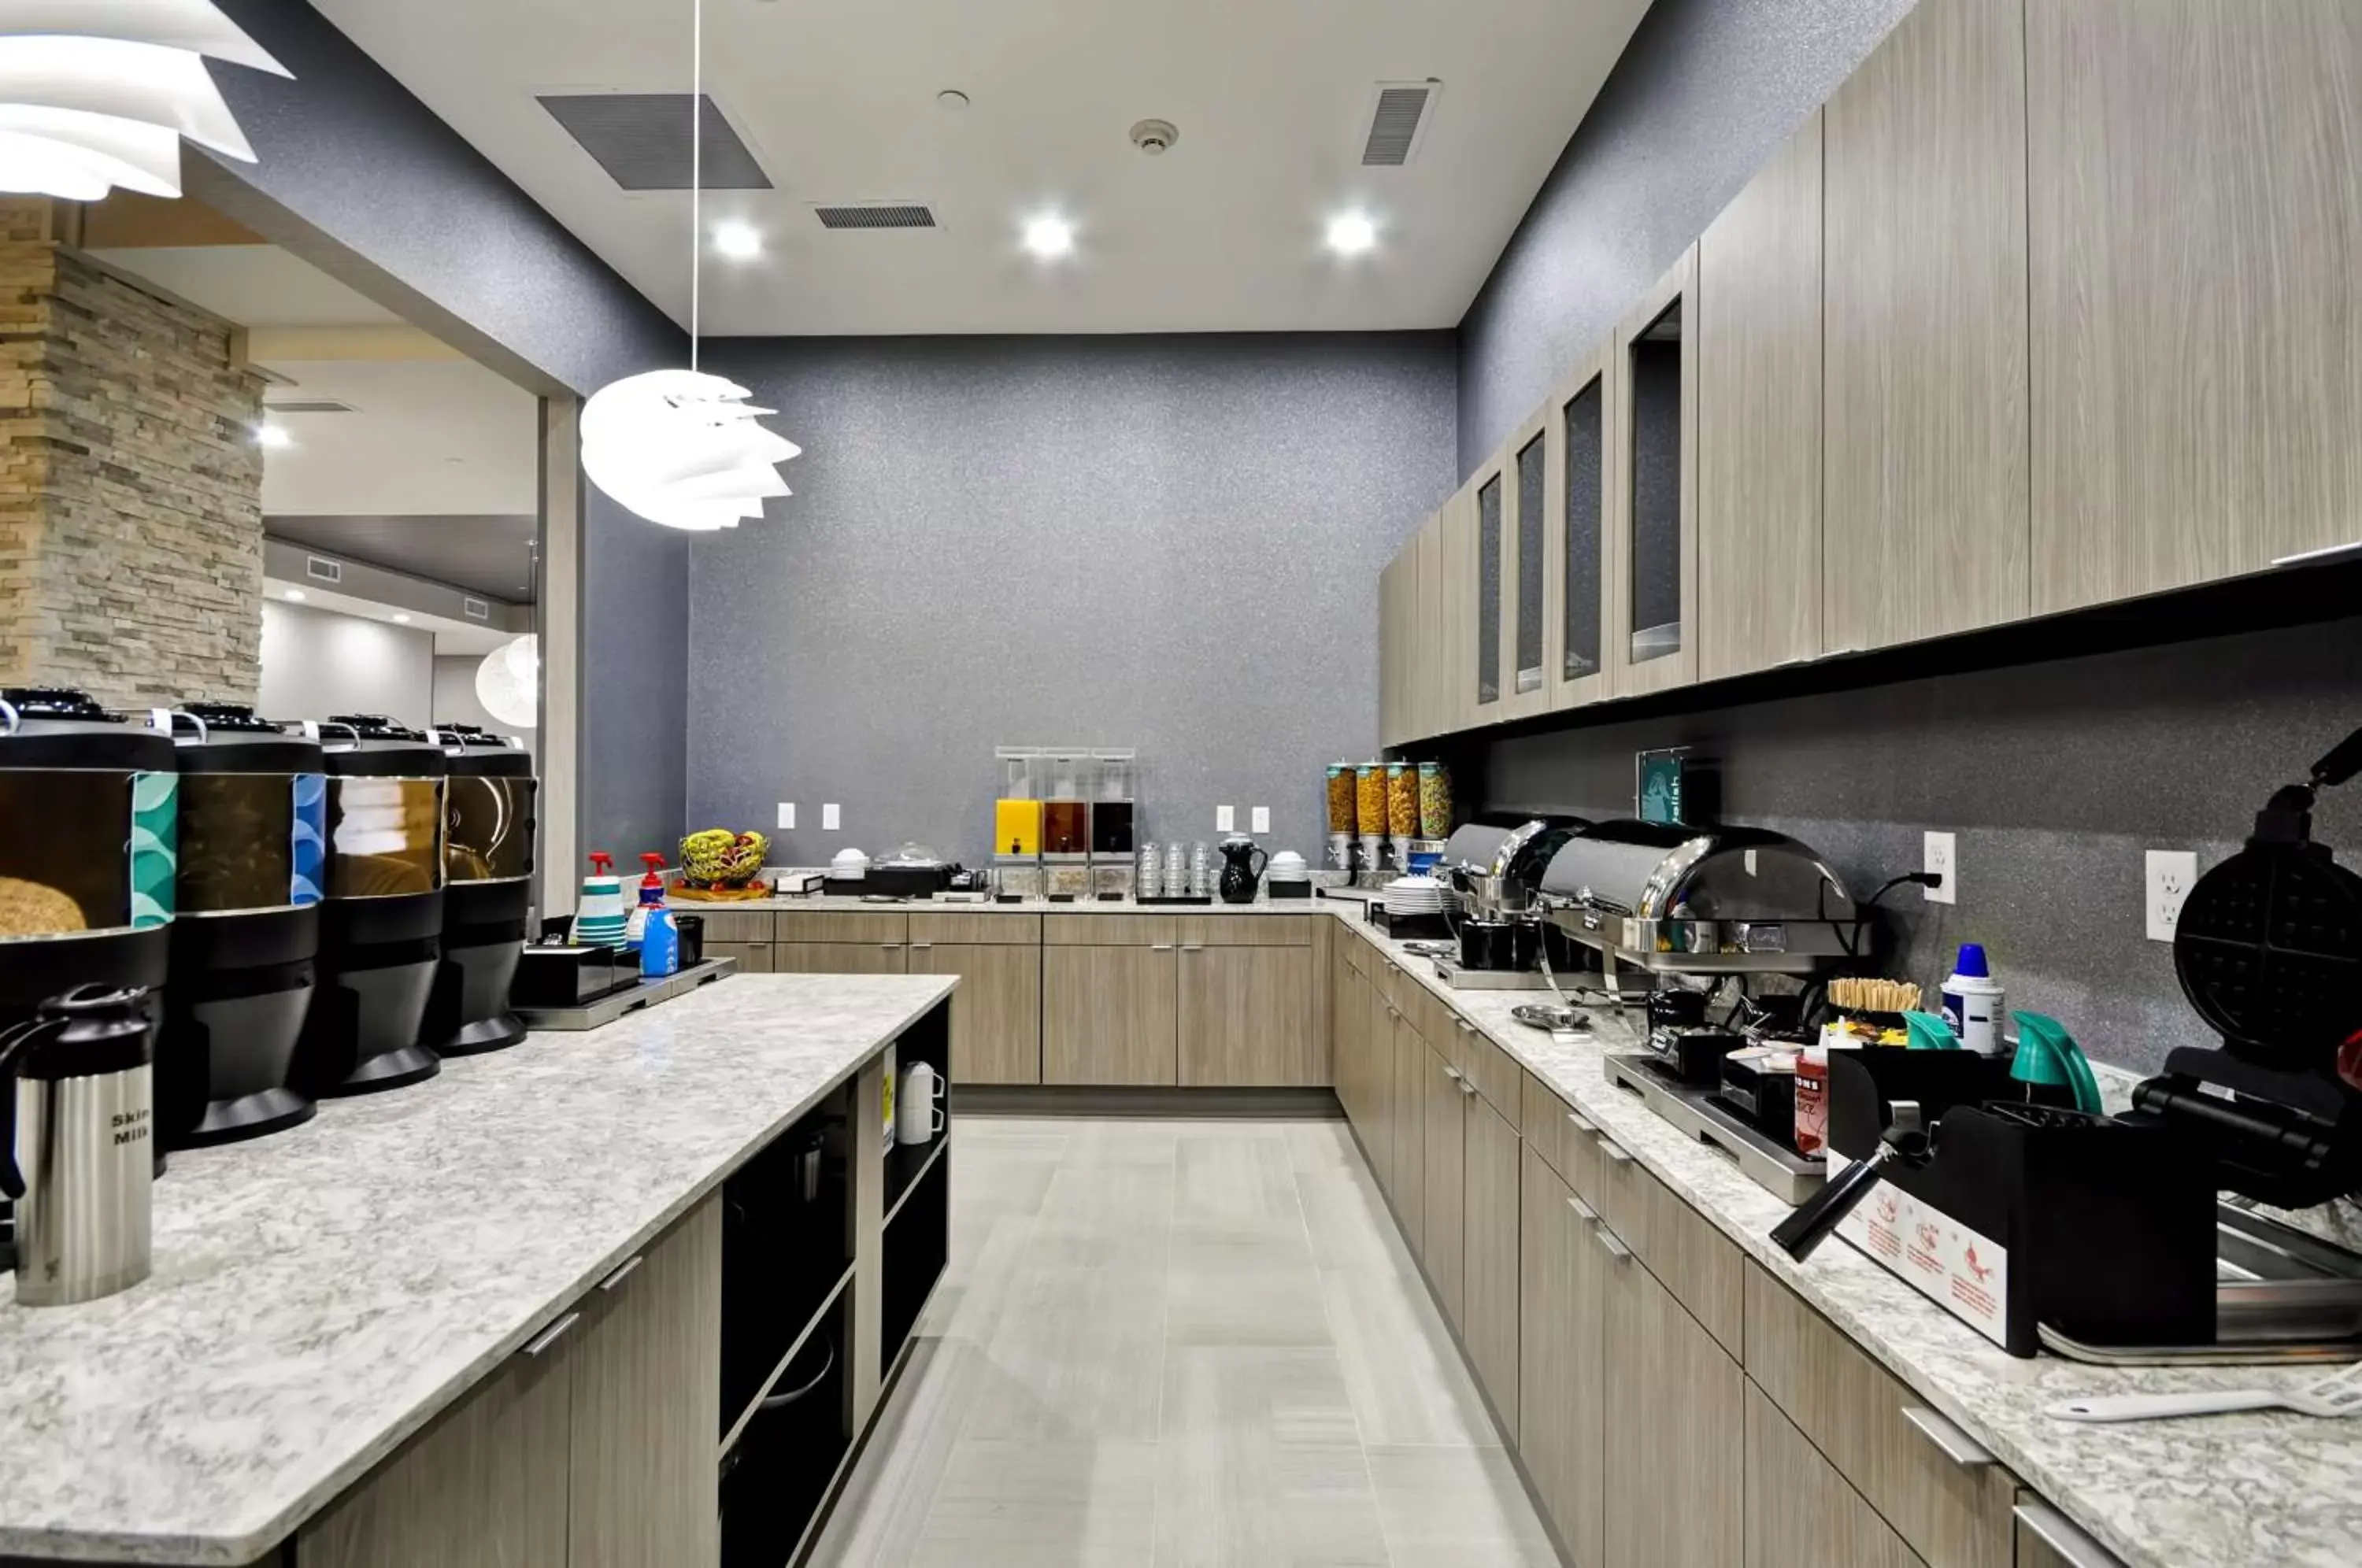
(787,816)
(2170,873)
(1225,819)
(1942,855)
(830,819)
(1260,817)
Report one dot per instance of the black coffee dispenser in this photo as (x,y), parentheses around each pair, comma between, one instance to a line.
(252,862)
(487,891)
(381,923)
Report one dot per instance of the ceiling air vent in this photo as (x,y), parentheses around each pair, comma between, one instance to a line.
(313,406)
(475,610)
(1399,114)
(641,140)
(876,215)
(320,568)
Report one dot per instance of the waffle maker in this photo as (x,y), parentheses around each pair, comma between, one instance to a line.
(2098,1237)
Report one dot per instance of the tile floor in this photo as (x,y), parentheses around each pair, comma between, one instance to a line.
(1179,1344)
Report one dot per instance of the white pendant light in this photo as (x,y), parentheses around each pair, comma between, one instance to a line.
(680,447)
(508,681)
(97,94)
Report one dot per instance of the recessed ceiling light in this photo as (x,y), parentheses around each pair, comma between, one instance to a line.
(1352,234)
(401,620)
(1049,237)
(295,595)
(738,241)
(272,435)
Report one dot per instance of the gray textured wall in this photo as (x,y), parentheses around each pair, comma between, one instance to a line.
(1167,542)
(1704,92)
(394,202)
(2055,777)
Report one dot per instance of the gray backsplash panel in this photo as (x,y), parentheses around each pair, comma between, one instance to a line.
(2056,777)
(1703,92)
(1166,542)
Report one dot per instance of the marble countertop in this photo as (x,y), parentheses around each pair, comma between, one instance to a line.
(320,1295)
(823,903)
(2238,1491)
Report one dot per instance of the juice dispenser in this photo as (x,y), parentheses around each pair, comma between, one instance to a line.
(1114,824)
(1016,821)
(1066,822)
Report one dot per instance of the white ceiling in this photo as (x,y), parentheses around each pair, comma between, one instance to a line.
(428,436)
(837,100)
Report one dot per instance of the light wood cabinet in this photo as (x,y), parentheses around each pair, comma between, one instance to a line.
(996,1009)
(648,1400)
(839,958)
(1679,1436)
(1702,1268)
(754,958)
(1488,1240)
(1111,1015)
(2196,183)
(591,1449)
(1429,679)
(1485,695)
(1375,1025)
(1953,1508)
(485,1487)
(1580,547)
(1561,1379)
(1450,641)
(1443,1194)
(1528,593)
(1759,421)
(1800,1512)
(1407,1119)
(1246,1015)
(1652,600)
(1925,528)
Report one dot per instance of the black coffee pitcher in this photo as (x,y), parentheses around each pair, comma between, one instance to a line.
(1243,865)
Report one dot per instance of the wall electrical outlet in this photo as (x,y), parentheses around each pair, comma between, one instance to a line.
(1226,819)
(787,816)
(830,819)
(2171,873)
(1261,819)
(1942,856)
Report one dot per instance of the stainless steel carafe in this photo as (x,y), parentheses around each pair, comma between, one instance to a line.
(77,1145)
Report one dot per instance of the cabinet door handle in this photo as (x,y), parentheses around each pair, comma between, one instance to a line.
(1583,1211)
(542,1342)
(1616,1249)
(890,946)
(1455,1074)
(1621,1156)
(1581,1125)
(1949,1439)
(1160,947)
(2063,1537)
(923,947)
(625,1272)
(1464,1026)
(1466,1087)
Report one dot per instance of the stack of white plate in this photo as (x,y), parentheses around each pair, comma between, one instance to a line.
(1414,896)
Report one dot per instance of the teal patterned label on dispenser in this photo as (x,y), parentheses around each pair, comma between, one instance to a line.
(155,847)
(308,841)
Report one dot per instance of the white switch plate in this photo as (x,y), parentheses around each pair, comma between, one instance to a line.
(2170,873)
(1262,819)
(787,816)
(830,819)
(1941,856)
(1225,819)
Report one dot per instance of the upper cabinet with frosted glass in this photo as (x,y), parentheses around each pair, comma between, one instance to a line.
(1577,541)
(1651,640)
(1491,678)
(1525,590)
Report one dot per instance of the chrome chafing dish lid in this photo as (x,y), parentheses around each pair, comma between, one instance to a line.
(1700,899)
(1504,843)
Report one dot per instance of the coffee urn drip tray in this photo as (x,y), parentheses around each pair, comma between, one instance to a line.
(1698,1111)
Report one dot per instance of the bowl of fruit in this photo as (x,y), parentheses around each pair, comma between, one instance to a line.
(718,864)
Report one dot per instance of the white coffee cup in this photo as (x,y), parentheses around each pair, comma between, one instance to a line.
(919,1112)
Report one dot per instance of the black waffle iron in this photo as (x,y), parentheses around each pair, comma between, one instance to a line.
(2094,1235)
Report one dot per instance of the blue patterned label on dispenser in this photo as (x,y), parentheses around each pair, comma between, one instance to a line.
(155,847)
(308,839)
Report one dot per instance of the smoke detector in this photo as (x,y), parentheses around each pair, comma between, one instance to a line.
(1152,137)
